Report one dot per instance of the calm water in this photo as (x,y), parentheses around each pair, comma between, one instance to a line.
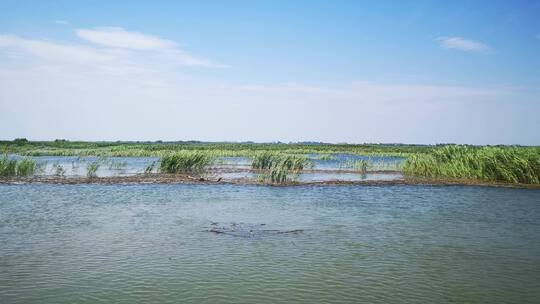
(147,243)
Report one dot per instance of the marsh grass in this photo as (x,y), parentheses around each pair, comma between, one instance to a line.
(117,165)
(360,165)
(279,168)
(14,167)
(325,157)
(186,162)
(91,169)
(150,168)
(58,170)
(8,167)
(159,149)
(366,165)
(493,164)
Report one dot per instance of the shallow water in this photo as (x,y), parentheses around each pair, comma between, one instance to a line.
(150,244)
(74,166)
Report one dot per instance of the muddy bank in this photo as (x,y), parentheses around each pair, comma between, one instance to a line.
(159,178)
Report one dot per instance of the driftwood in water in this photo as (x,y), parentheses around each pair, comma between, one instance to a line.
(248,230)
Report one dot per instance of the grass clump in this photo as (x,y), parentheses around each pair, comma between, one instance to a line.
(26,167)
(367,165)
(185,162)
(279,168)
(14,167)
(117,165)
(493,164)
(58,170)
(8,167)
(360,165)
(149,168)
(325,157)
(91,169)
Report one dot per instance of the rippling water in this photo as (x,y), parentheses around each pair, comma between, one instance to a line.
(150,244)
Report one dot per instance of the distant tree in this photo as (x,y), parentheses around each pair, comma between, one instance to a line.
(20,141)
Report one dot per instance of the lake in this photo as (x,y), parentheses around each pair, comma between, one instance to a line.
(351,244)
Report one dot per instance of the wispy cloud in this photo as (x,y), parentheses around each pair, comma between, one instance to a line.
(117,37)
(112,45)
(64,22)
(462,44)
(55,52)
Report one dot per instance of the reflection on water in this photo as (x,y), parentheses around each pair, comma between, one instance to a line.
(150,244)
(322,177)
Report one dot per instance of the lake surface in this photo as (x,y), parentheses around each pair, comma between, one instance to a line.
(150,244)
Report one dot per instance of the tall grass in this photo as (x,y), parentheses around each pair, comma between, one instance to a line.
(58,170)
(149,168)
(91,169)
(186,162)
(278,167)
(325,157)
(26,167)
(495,164)
(361,165)
(14,167)
(366,165)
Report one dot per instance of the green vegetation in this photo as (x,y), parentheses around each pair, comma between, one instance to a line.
(279,162)
(14,167)
(325,157)
(149,168)
(366,165)
(117,165)
(91,169)
(58,170)
(185,162)
(20,141)
(491,164)
(278,167)
(361,165)
(159,149)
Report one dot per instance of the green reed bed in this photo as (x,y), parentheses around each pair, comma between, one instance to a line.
(186,162)
(492,164)
(13,167)
(69,148)
(278,167)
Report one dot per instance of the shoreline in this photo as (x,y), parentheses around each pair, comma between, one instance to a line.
(159,178)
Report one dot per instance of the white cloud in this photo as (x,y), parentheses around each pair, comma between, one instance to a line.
(114,46)
(63,22)
(462,44)
(117,37)
(58,52)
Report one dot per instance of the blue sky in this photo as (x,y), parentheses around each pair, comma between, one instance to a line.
(336,71)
